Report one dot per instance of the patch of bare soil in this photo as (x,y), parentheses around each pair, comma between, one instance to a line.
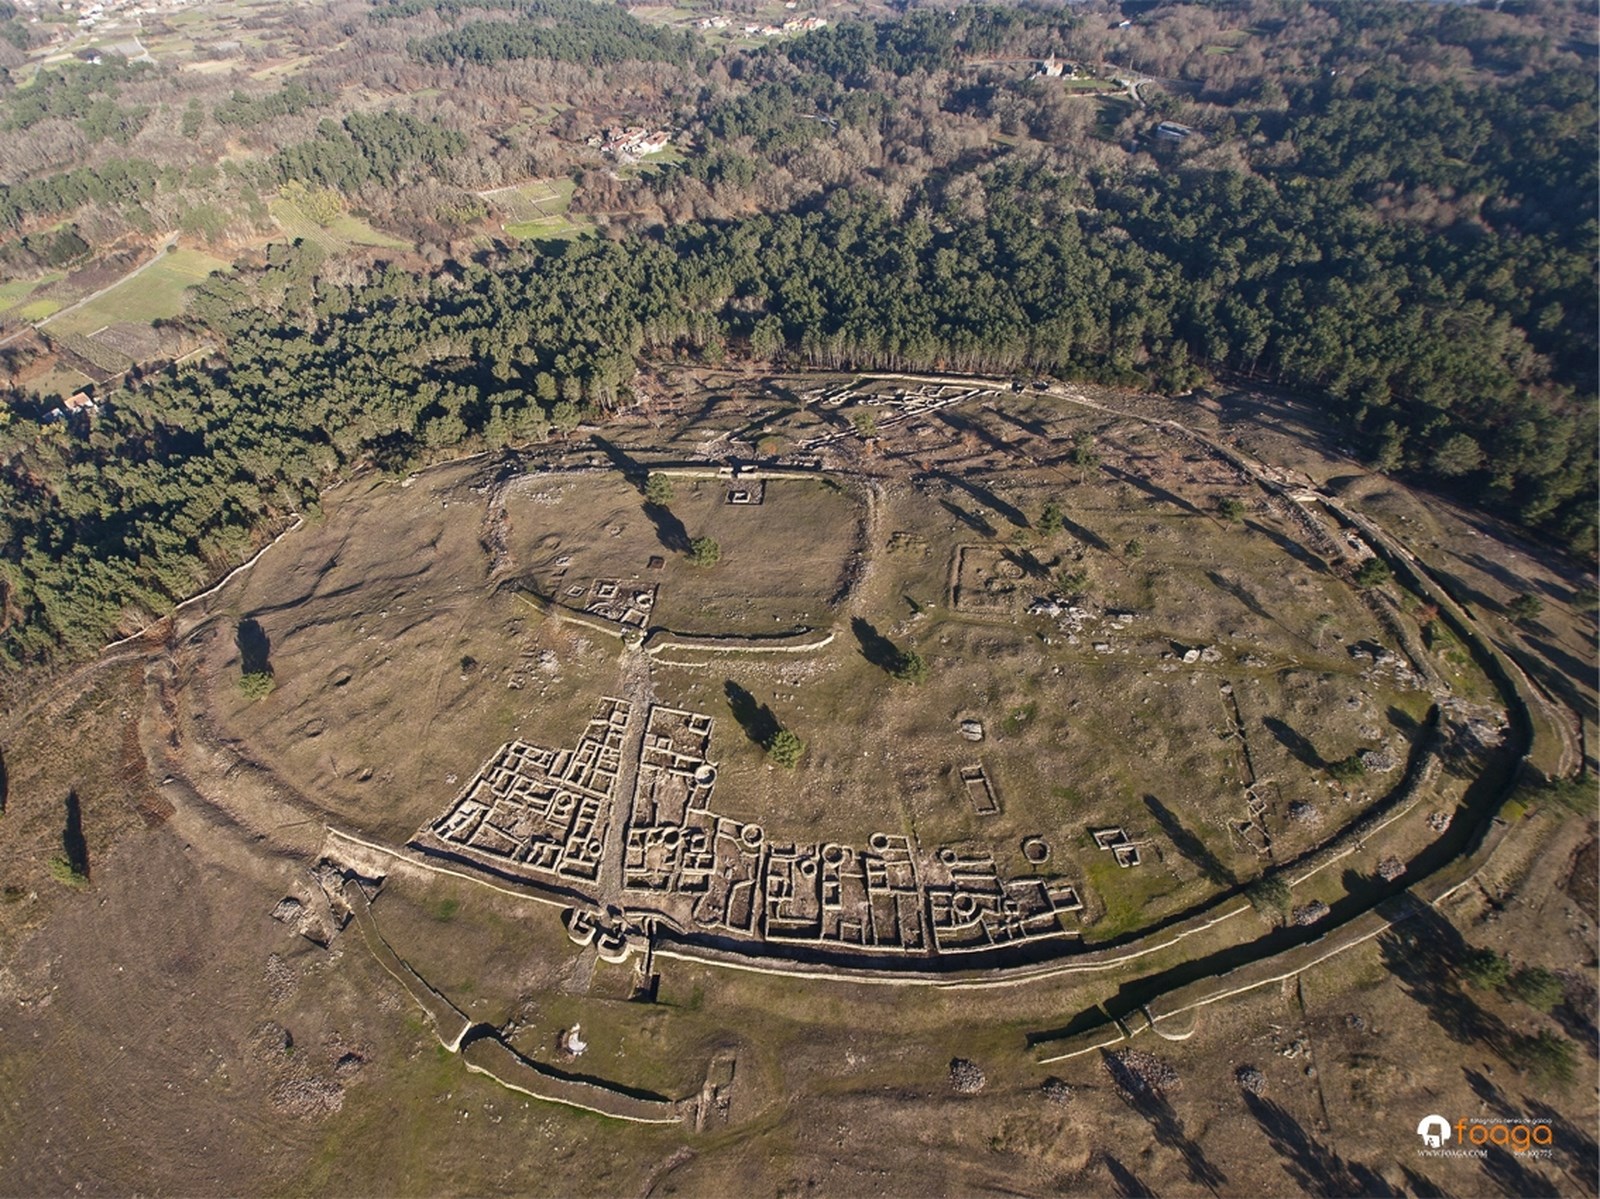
(1583,881)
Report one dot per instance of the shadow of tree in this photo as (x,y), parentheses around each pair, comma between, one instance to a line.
(987,498)
(875,647)
(1189,845)
(1303,750)
(1558,675)
(1402,720)
(1289,546)
(1026,562)
(1463,592)
(1422,1186)
(1316,1169)
(1422,952)
(73,843)
(1164,1123)
(1490,1095)
(1511,1177)
(972,520)
(1576,1021)
(1239,592)
(627,465)
(255,647)
(1125,1183)
(1153,490)
(1579,1153)
(1034,427)
(757,720)
(669,529)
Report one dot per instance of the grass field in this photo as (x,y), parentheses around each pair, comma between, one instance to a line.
(538,209)
(16,291)
(345,231)
(155,292)
(60,381)
(556,228)
(37,310)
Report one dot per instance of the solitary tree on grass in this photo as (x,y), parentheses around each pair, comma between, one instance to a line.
(658,489)
(1070,580)
(1536,987)
(1084,454)
(785,747)
(704,551)
(1485,969)
(1348,769)
(1524,608)
(910,667)
(1374,572)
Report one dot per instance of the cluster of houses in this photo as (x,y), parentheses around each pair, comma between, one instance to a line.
(1056,68)
(632,142)
(78,404)
(93,12)
(793,25)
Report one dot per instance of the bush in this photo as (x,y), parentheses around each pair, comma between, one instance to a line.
(1548,1057)
(704,551)
(910,667)
(784,748)
(258,684)
(1524,607)
(1536,987)
(1374,572)
(658,490)
(1269,895)
(1485,969)
(65,873)
(1348,770)
(1230,509)
(1575,795)
(1070,580)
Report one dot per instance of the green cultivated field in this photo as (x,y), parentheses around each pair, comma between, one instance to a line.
(345,231)
(154,293)
(538,209)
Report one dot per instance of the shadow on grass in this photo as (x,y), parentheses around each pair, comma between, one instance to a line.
(1422,1186)
(1189,845)
(757,720)
(1575,1146)
(1289,546)
(628,466)
(1164,1123)
(1303,750)
(670,532)
(1125,1183)
(1316,1169)
(1423,953)
(73,843)
(875,647)
(972,520)
(255,647)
